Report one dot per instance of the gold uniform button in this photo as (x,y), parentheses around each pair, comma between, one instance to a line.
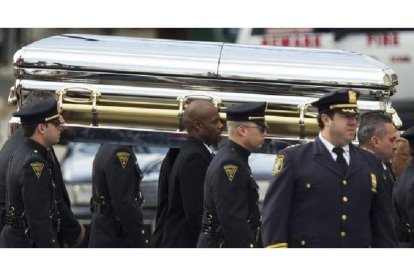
(302,242)
(35,151)
(251,245)
(345,199)
(146,241)
(343,234)
(142,232)
(308,186)
(344,182)
(343,217)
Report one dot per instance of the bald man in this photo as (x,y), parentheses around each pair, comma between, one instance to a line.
(185,184)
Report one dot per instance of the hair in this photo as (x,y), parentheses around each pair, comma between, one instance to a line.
(232,126)
(372,124)
(330,114)
(28,131)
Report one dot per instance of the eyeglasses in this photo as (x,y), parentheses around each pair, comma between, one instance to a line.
(261,129)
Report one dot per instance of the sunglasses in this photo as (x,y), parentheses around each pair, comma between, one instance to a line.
(56,123)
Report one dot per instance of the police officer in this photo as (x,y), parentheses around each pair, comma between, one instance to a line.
(72,232)
(403,196)
(231,215)
(117,219)
(32,214)
(185,185)
(328,193)
(378,134)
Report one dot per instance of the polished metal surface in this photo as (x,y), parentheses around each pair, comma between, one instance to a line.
(137,88)
(59,56)
(121,54)
(299,65)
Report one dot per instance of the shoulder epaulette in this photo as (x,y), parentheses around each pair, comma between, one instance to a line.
(292,146)
(367,150)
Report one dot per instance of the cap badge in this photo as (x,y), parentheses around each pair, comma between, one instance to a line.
(278,164)
(352,96)
(123,158)
(37,168)
(230,171)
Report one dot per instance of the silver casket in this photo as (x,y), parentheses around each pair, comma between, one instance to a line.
(134,90)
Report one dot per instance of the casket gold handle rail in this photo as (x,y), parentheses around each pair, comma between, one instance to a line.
(94,96)
(86,105)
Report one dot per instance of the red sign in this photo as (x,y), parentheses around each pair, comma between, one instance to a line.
(383,39)
(293,40)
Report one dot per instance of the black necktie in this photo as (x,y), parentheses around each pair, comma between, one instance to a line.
(389,172)
(340,160)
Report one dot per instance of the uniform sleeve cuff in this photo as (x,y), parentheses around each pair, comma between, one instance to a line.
(278,245)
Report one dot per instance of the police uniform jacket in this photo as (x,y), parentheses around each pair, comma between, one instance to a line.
(31,196)
(389,178)
(162,204)
(231,213)
(69,228)
(185,195)
(310,203)
(117,219)
(5,154)
(403,196)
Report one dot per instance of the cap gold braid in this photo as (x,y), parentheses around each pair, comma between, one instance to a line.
(343,105)
(51,118)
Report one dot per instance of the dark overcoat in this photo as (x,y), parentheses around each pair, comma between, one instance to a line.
(185,195)
(403,197)
(162,202)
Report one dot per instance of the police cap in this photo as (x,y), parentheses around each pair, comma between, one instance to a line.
(44,111)
(253,112)
(342,100)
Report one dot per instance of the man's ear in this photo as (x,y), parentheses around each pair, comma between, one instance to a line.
(41,128)
(197,125)
(241,130)
(374,141)
(325,119)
